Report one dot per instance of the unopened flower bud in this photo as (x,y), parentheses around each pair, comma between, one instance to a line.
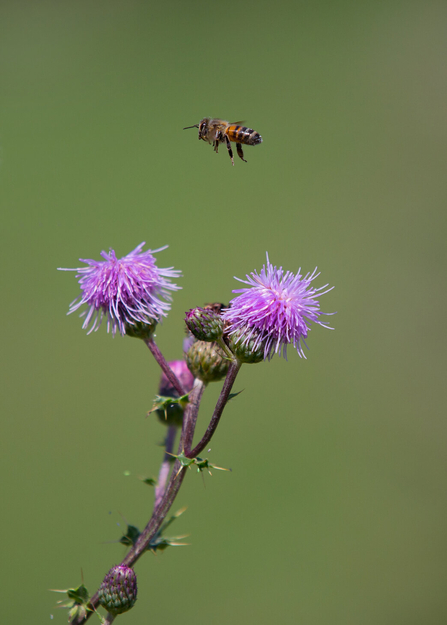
(207,361)
(204,323)
(118,591)
(246,345)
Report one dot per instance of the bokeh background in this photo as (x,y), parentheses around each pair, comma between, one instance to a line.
(335,510)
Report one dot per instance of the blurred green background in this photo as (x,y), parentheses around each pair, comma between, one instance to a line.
(335,510)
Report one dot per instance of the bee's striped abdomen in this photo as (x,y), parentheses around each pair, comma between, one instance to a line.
(242,134)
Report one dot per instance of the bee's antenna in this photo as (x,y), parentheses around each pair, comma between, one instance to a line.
(195,126)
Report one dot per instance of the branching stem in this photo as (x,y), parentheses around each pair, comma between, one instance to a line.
(221,402)
(165,495)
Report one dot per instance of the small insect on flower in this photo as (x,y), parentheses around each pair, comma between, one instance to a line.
(275,310)
(217,131)
(132,292)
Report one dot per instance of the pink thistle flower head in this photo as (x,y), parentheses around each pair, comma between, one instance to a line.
(130,292)
(276,309)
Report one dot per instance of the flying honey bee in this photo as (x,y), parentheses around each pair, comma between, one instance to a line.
(217,131)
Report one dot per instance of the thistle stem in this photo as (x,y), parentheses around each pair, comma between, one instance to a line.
(190,416)
(224,347)
(221,402)
(156,353)
(165,465)
(178,471)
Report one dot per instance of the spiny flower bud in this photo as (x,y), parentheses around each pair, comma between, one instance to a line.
(245,345)
(118,591)
(204,323)
(207,361)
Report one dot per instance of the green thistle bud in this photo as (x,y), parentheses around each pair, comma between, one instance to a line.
(139,330)
(207,361)
(118,591)
(205,324)
(247,350)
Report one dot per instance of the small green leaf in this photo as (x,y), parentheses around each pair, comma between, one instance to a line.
(233,395)
(184,461)
(171,519)
(150,481)
(79,594)
(179,513)
(78,602)
(160,542)
(162,402)
(203,464)
(130,538)
(200,463)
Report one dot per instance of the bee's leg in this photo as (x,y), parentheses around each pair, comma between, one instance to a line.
(240,152)
(216,146)
(230,151)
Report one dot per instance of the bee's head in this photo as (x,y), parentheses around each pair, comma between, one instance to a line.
(203,128)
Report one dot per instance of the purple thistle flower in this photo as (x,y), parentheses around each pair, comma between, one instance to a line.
(276,309)
(128,291)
